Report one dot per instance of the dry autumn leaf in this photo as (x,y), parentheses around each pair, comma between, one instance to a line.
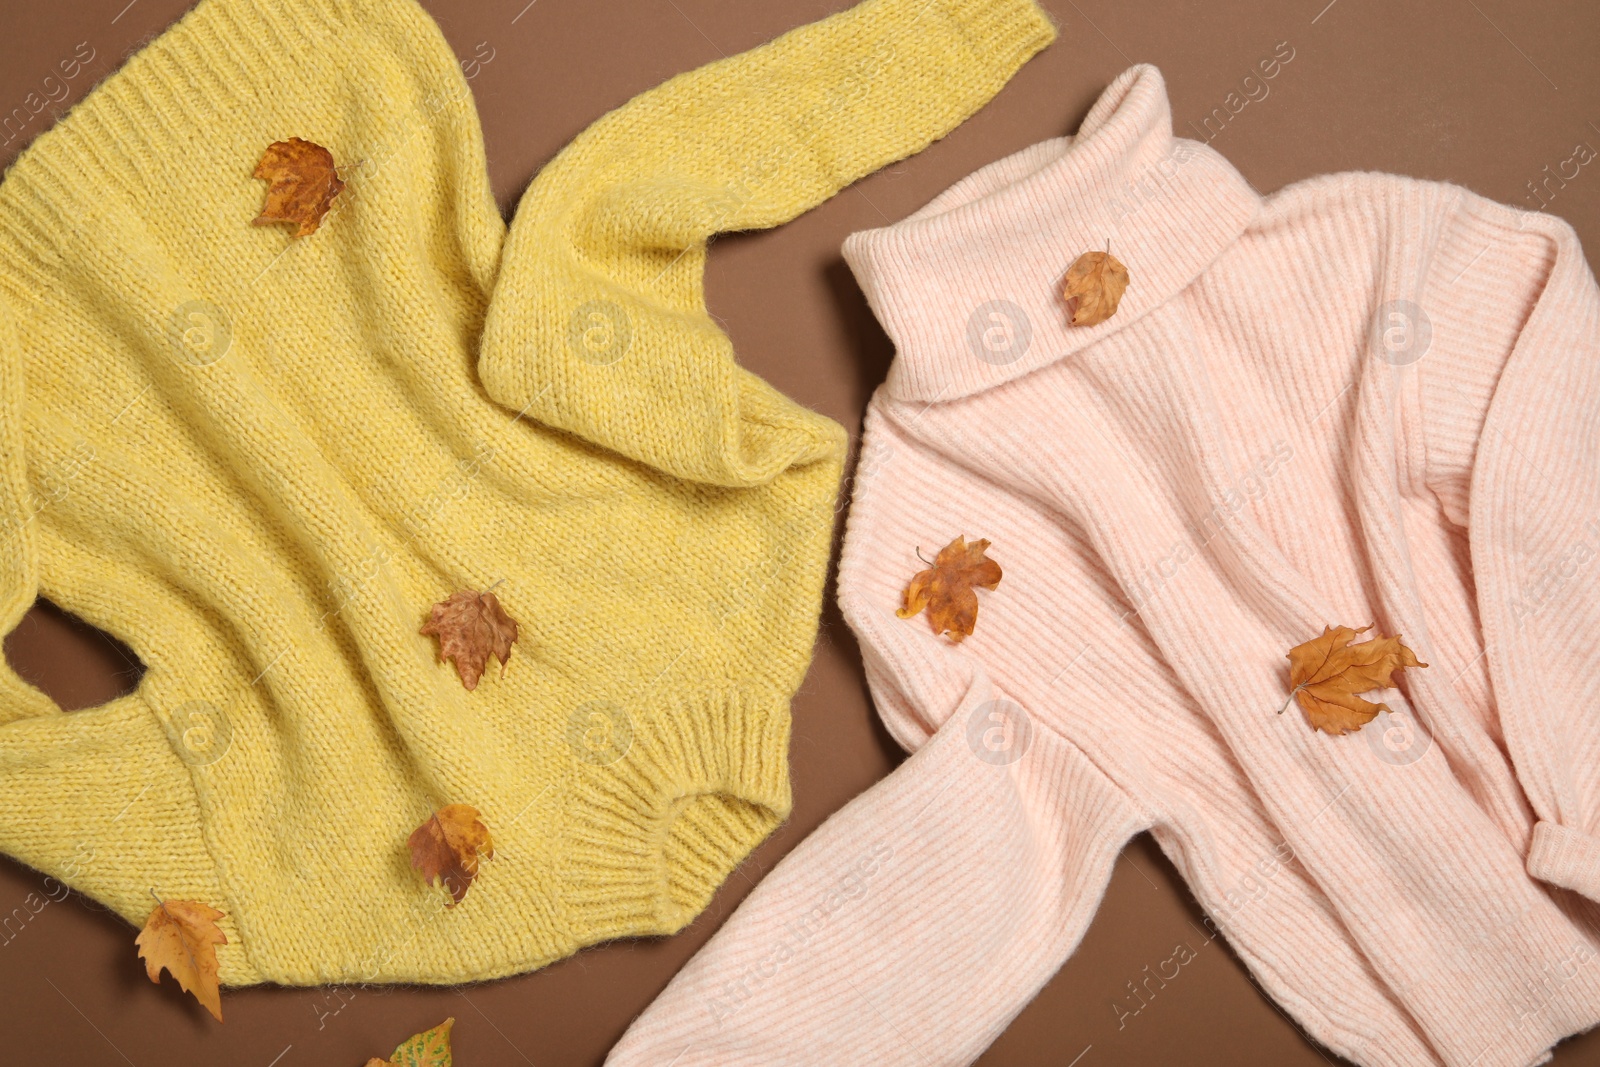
(304,184)
(1328,671)
(947,588)
(447,848)
(431,1048)
(1093,287)
(471,626)
(182,936)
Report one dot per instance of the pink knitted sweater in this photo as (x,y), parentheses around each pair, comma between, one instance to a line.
(1362,399)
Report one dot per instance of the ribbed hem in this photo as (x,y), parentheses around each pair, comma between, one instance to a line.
(1565,857)
(697,783)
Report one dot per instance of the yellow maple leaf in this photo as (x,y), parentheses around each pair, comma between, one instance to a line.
(182,936)
(1328,671)
(447,847)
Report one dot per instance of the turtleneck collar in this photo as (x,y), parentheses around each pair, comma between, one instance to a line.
(969,286)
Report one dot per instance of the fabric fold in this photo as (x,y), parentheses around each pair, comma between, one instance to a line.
(1363,400)
(261,459)
(599,326)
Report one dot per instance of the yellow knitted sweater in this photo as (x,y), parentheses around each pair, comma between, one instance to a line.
(259,460)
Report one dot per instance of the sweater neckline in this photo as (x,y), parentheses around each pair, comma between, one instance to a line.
(968,286)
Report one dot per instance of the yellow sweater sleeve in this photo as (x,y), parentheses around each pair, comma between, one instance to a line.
(598,325)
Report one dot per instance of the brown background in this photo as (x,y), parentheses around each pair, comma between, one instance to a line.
(1486,93)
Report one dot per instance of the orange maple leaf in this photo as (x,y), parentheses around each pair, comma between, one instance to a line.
(447,847)
(431,1048)
(1328,671)
(947,588)
(471,626)
(1093,287)
(304,184)
(182,936)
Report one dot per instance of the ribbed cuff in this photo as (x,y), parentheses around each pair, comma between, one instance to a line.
(666,804)
(1565,857)
(898,75)
(1006,33)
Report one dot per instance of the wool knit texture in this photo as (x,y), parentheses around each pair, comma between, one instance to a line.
(260,460)
(1362,399)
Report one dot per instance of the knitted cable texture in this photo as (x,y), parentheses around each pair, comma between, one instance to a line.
(259,460)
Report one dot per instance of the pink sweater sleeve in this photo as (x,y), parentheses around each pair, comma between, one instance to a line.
(1510,389)
(940,901)
(967,875)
